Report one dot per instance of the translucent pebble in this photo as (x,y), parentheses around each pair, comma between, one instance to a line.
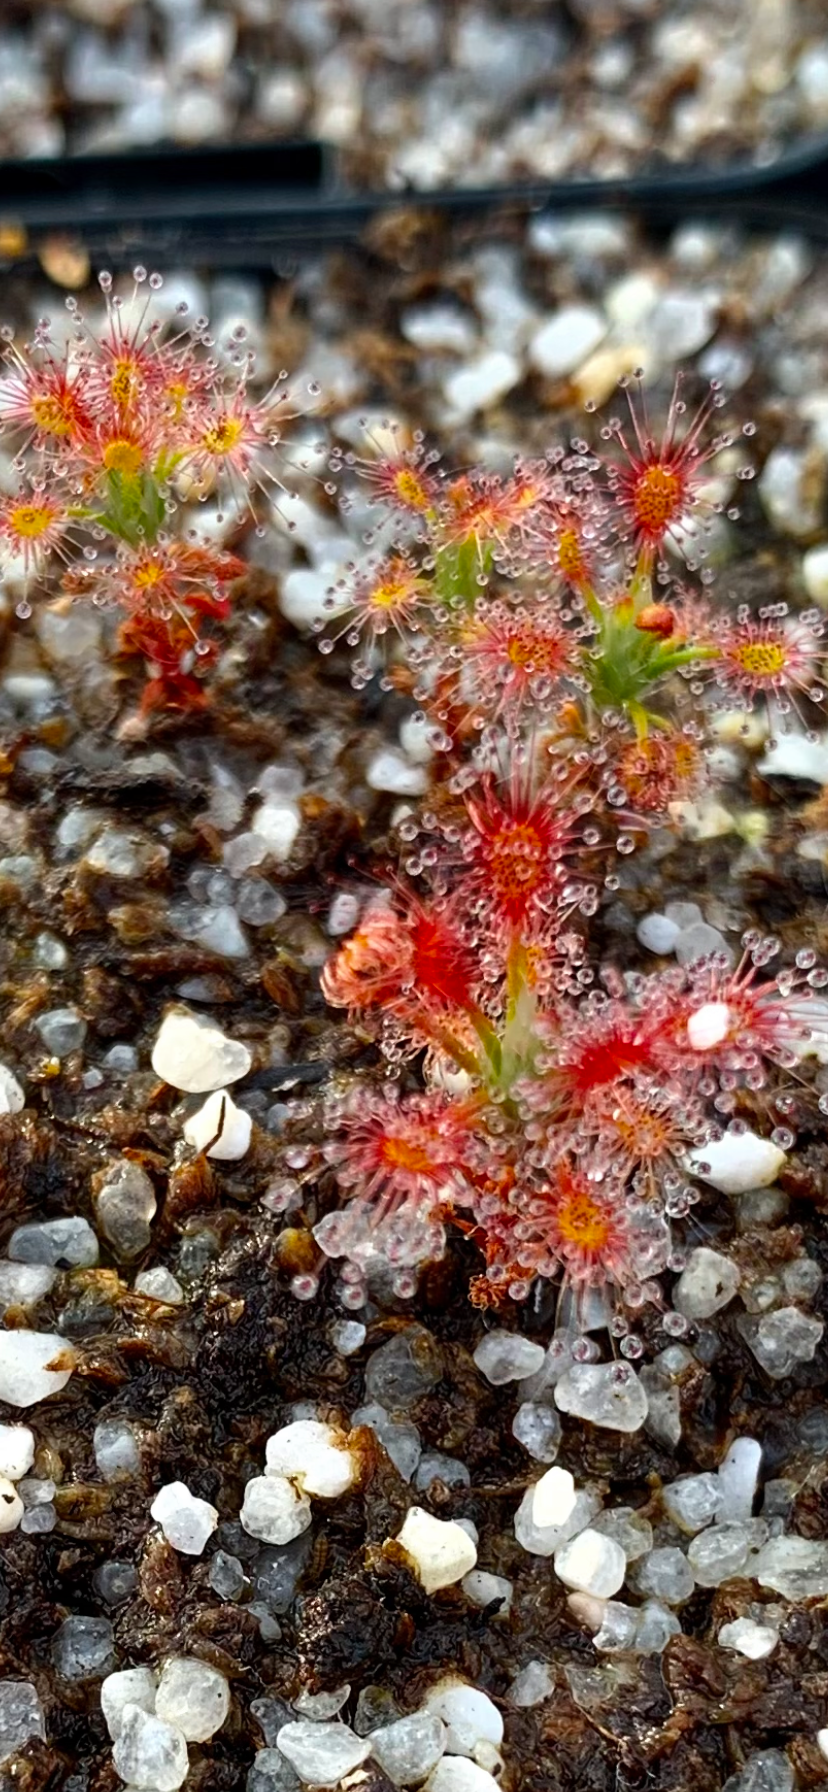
(692,1501)
(435,1466)
(389,770)
(718,1553)
(192,1054)
(802,1279)
(617,1629)
(226,1575)
(769,1770)
(150,1753)
(469,1716)
(186,1521)
(348,1336)
(314,1455)
(666,1574)
(117,1454)
(83,1647)
(62,1030)
(271,1772)
(408,1749)
(115,1581)
(543,1540)
(591,1563)
(319,1705)
(21,1717)
(21,1284)
(440,1550)
(33,1365)
(39,1519)
(607,1394)
(399,1372)
(506,1356)
(534,1683)
(124,1205)
(11,1505)
(399,1438)
(656,1624)
(538,1429)
(220,1129)
(160,1284)
(706,1284)
(483,1589)
(124,853)
(276,1572)
(127,1686)
(628,1528)
(216,927)
(322,1753)
(258,903)
(699,941)
(17,1450)
(781,1339)
(69,1243)
(749,1638)
(794,1567)
(193,1696)
(274,1510)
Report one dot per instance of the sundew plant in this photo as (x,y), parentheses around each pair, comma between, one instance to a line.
(558,630)
(116,433)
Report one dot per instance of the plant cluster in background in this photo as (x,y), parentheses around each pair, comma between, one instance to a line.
(114,434)
(566,675)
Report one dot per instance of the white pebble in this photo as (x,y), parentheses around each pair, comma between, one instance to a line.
(11,1505)
(483,1589)
(12,1098)
(277,824)
(709,1025)
(194,1696)
(442,1551)
(748,1638)
(815,574)
(506,1356)
(274,1510)
(455,1773)
(392,771)
(192,1054)
(481,382)
(553,1497)
(220,1127)
(566,339)
(33,1365)
(657,934)
(592,1563)
(469,1715)
(17,1451)
(128,1686)
(794,756)
(739,1478)
(313,1455)
(736,1162)
(186,1521)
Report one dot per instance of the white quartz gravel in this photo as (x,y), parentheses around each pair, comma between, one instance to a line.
(192,1054)
(440,1549)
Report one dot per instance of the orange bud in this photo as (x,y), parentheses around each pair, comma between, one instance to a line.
(657,619)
